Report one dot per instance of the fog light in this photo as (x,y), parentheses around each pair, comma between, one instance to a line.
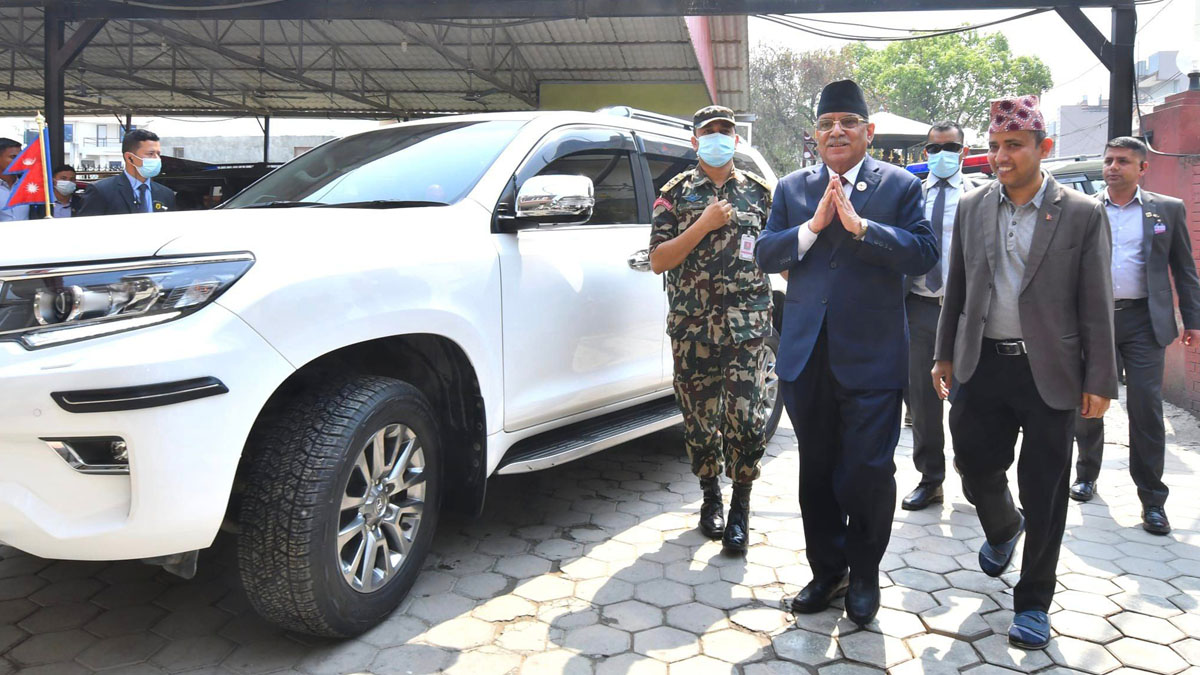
(106,456)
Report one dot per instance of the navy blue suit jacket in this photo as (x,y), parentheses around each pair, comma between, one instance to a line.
(855,288)
(114,195)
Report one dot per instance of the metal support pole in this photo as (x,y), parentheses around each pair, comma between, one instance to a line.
(128,121)
(266,137)
(1120,82)
(54,83)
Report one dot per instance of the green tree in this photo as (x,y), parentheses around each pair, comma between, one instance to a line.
(784,88)
(948,77)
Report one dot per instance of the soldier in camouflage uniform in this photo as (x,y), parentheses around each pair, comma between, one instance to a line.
(706,221)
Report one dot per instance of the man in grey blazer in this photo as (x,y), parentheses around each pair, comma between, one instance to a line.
(945,150)
(1027,331)
(1150,237)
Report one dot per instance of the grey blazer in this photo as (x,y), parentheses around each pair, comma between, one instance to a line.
(1066,300)
(1166,245)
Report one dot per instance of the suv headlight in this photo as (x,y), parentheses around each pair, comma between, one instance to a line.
(46,307)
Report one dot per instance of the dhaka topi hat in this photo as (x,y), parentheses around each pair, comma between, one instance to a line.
(843,96)
(711,113)
(1018,113)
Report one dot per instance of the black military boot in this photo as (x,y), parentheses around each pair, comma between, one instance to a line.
(737,531)
(712,511)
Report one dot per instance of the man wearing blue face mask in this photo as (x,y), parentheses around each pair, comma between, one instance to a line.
(945,151)
(133,191)
(706,221)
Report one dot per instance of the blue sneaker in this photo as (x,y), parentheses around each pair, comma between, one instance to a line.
(993,560)
(1030,630)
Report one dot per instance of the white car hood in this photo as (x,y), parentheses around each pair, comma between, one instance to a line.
(259,231)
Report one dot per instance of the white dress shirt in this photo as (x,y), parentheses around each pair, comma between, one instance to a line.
(955,191)
(1128,256)
(20,212)
(805,236)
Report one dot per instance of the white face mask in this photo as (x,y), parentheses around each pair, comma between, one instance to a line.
(64,187)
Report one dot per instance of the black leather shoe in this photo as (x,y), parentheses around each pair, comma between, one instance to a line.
(1154,520)
(712,510)
(922,496)
(1083,490)
(737,530)
(862,600)
(993,560)
(817,595)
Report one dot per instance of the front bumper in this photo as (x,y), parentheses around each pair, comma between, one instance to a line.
(182,456)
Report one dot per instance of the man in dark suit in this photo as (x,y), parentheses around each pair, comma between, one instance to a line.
(1027,331)
(133,191)
(945,151)
(1150,236)
(847,232)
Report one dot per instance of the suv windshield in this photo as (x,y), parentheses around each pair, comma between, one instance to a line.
(425,164)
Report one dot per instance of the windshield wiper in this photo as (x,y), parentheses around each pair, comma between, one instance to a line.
(280,205)
(384,204)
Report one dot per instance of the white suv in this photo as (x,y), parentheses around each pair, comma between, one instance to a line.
(357,340)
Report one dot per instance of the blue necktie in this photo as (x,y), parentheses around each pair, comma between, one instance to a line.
(143,197)
(933,278)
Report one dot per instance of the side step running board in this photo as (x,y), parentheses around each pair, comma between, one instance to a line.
(560,446)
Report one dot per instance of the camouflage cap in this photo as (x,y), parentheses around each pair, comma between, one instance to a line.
(710,114)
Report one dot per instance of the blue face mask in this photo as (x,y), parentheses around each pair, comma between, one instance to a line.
(716,150)
(150,166)
(944,164)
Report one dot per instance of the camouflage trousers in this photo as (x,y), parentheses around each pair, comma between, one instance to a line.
(719,388)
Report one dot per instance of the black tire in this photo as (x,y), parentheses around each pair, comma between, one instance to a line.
(305,456)
(775,412)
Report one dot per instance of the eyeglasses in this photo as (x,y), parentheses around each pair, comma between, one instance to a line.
(848,123)
(933,148)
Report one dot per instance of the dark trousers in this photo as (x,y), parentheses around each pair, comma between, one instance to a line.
(1143,359)
(847,440)
(929,438)
(989,410)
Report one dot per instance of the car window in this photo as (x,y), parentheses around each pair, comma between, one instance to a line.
(418,163)
(611,172)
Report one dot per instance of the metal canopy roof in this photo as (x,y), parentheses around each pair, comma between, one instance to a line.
(380,68)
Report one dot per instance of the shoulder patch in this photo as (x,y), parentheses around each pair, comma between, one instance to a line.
(674,181)
(757,179)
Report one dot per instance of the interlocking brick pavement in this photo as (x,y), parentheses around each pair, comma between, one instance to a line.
(595,567)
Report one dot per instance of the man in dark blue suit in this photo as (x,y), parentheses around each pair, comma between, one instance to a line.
(847,232)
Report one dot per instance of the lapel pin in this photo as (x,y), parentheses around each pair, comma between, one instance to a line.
(860,186)
(1049,217)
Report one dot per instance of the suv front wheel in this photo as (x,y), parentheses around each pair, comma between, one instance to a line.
(340,505)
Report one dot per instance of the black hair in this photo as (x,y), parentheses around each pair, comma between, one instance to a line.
(63,167)
(1129,143)
(134,138)
(6,143)
(947,125)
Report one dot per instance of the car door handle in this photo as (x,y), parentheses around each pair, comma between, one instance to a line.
(640,260)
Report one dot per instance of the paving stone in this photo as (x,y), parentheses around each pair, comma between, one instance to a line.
(1081,655)
(701,665)
(1147,656)
(12,611)
(435,610)
(933,648)
(896,623)
(193,652)
(774,667)
(1088,584)
(849,668)
(67,592)
(692,573)
(410,660)
(663,593)
(1189,649)
(522,566)
(930,562)
(633,615)
(604,591)
(630,664)
(1084,626)
(761,619)
(995,650)
(559,549)
(978,582)
(59,618)
(44,648)
(695,617)
(192,622)
(919,580)
(504,608)
(1144,585)
(751,575)
(461,633)
(1146,604)
(805,647)
(481,586)
(881,651)
(263,656)
(1087,603)
(558,662)
(398,629)
(906,599)
(597,640)
(484,661)
(1148,628)
(524,636)
(124,650)
(732,646)
(545,588)
(582,569)
(666,644)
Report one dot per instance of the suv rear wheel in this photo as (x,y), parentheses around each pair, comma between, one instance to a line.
(340,505)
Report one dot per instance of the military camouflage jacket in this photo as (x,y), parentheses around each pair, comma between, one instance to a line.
(718,294)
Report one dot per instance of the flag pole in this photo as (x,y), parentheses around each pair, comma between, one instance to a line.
(41,122)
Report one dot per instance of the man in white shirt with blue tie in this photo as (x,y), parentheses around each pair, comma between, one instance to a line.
(945,150)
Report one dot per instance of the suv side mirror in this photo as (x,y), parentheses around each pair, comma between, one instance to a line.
(556,200)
